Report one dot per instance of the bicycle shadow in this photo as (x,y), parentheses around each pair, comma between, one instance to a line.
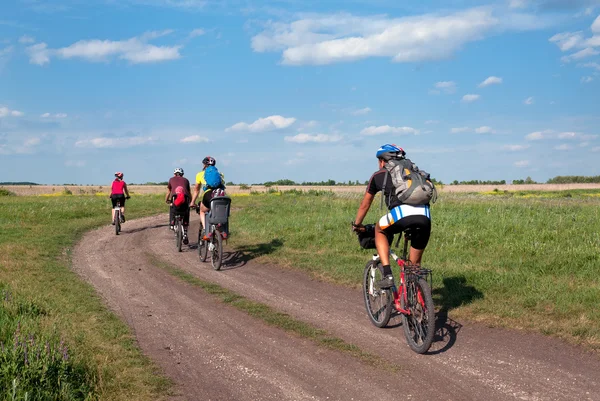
(455,292)
(242,255)
(137,230)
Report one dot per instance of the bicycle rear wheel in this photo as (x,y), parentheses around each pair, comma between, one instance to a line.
(419,326)
(202,245)
(179,233)
(216,256)
(117,222)
(377,301)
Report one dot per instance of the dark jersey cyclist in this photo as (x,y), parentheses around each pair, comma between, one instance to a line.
(118,194)
(177,188)
(399,217)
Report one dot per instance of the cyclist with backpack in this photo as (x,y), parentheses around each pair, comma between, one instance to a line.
(407,192)
(212,183)
(118,194)
(178,195)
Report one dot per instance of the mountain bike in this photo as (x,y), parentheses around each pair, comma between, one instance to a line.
(412,299)
(117,218)
(216,221)
(178,231)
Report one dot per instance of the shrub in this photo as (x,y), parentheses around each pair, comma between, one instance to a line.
(6,192)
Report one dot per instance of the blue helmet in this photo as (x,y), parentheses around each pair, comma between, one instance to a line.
(388,152)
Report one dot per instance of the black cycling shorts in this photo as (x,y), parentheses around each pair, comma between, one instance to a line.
(420,227)
(117,198)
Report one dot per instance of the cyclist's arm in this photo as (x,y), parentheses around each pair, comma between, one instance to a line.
(364,208)
(125,189)
(168,192)
(196,193)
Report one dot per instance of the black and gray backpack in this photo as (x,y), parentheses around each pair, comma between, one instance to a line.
(411,185)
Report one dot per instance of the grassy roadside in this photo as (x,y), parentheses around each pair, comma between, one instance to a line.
(44,304)
(527,261)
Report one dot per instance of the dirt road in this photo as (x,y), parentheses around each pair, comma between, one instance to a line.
(215,352)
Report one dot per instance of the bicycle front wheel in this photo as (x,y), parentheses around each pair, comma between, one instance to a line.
(179,241)
(117,222)
(202,245)
(419,326)
(377,301)
(216,256)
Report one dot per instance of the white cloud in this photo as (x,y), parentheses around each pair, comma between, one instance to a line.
(596,25)
(197,32)
(181,4)
(570,41)
(39,54)
(325,39)
(587,52)
(136,50)
(6,112)
(484,130)
(57,115)
(567,40)
(386,129)
(516,148)
(319,138)
(32,142)
(446,86)
(431,122)
(263,124)
(568,135)
(458,130)
(522,163)
(592,65)
(194,139)
(75,163)
(596,149)
(362,112)
(536,136)
(120,142)
(490,81)
(470,98)
(26,39)
(528,101)
(564,146)
(586,80)
(6,51)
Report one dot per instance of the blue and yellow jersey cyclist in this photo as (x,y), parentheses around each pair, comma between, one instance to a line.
(207,192)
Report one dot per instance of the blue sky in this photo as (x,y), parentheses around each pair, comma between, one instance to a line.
(305,90)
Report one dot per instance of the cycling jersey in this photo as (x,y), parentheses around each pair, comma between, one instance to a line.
(178,181)
(117,187)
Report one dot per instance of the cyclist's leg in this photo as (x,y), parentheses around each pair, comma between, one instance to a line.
(420,237)
(172,215)
(385,227)
(113,200)
(186,218)
(205,207)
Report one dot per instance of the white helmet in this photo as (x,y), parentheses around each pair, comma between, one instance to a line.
(178,170)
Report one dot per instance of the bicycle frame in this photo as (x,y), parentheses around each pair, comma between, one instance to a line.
(400,294)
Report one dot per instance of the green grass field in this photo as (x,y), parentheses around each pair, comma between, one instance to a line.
(521,260)
(57,340)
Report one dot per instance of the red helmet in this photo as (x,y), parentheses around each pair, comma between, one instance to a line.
(119,175)
(209,161)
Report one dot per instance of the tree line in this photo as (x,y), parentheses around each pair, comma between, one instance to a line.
(561,179)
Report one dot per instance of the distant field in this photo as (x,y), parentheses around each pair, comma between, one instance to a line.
(233,189)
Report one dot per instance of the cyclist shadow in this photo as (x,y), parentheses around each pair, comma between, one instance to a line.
(242,255)
(455,292)
(137,230)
